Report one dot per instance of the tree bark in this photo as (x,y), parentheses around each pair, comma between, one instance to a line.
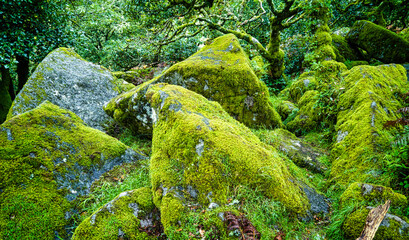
(374,219)
(22,71)
(5,100)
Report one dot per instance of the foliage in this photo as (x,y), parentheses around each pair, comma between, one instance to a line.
(30,29)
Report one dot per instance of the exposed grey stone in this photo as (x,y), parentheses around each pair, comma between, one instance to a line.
(213,205)
(200,147)
(366,189)
(67,80)
(341,135)
(8,132)
(135,208)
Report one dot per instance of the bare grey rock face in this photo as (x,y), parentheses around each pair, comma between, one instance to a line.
(67,80)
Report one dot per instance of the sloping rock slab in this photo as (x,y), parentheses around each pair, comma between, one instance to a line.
(131,215)
(380,43)
(200,151)
(48,158)
(70,82)
(220,72)
(368,102)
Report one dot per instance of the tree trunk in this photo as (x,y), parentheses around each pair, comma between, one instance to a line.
(276,60)
(22,71)
(5,99)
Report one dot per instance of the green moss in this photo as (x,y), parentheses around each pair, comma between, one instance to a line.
(368,102)
(307,118)
(390,228)
(304,83)
(351,64)
(343,50)
(369,193)
(379,42)
(405,34)
(44,154)
(221,72)
(199,152)
(121,218)
(285,108)
(257,64)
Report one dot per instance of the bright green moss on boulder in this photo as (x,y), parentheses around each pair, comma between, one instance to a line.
(343,50)
(199,152)
(307,117)
(122,218)
(48,158)
(380,43)
(220,72)
(307,81)
(370,193)
(300,152)
(392,227)
(285,108)
(368,102)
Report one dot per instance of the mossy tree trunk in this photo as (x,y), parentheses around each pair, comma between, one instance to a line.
(321,49)
(22,71)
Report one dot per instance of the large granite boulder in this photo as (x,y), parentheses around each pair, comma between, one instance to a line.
(380,43)
(200,152)
(49,158)
(220,72)
(368,102)
(70,82)
(131,215)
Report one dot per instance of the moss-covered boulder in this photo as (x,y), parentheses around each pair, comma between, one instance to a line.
(317,106)
(301,153)
(380,43)
(67,80)
(131,215)
(368,102)
(49,158)
(307,117)
(343,50)
(307,81)
(200,152)
(286,108)
(221,72)
(351,64)
(392,227)
(371,193)
(405,34)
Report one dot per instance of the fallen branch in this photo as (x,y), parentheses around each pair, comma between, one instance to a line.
(374,219)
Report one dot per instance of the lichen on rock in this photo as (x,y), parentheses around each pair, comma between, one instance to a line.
(368,102)
(199,152)
(220,72)
(130,215)
(70,82)
(48,158)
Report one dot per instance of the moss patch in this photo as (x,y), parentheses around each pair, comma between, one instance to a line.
(221,72)
(131,215)
(380,43)
(370,193)
(392,227)
(199,152)
(368,102)
(48,158)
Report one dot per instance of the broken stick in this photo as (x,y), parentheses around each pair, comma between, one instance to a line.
(374,219)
